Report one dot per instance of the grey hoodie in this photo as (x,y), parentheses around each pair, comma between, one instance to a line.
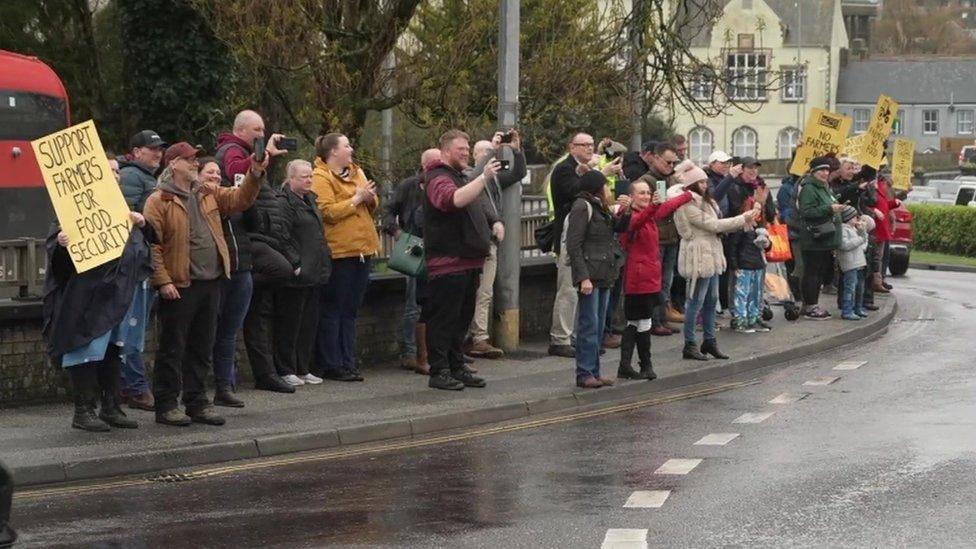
(204,258)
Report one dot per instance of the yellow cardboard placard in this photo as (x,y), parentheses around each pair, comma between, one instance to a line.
(825,132)
(879,129)
(853,147)
(86,197)
(901,168)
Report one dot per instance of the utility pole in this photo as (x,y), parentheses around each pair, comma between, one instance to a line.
(636,79)
(509,250)
(386,121)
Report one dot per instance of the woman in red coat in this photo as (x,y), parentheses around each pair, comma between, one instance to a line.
(642,274)
(883,232)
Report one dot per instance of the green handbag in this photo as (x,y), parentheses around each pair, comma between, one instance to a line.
(408,256)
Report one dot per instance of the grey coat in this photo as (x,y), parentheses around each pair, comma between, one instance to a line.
(137,183)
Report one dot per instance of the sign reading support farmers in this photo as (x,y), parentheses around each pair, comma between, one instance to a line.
(878,131)
(826,132)
(85,194)
(901,168)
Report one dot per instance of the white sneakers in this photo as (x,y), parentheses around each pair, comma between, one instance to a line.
(293,380)
(311,379)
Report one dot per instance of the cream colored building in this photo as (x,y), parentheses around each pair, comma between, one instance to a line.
(779,58)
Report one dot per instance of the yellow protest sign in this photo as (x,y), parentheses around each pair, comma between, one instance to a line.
(901,167)
(86,197)
(879,129)
(853,147)
(825,132)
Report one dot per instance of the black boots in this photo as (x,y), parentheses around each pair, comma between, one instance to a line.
(710,347)
(691,352)
(108,380)
(84,382)
(627,342)
(644,353)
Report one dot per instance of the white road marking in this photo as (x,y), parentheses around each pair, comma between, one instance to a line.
(625,538)
(677,466)
(820,381)
(789,398)
(850,365)
(717,439)
(647,499)
(753,417)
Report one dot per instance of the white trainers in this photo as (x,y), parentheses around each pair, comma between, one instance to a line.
(311,379)
(293,380)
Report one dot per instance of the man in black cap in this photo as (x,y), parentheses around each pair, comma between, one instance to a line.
(137,170)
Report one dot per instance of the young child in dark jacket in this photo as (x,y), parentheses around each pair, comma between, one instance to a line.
(748,254)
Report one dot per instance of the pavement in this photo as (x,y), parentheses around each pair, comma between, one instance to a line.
(942,267)
(40,447)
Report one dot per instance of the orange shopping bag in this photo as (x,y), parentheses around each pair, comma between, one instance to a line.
(779,236)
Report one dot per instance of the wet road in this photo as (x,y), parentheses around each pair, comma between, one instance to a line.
(882,456)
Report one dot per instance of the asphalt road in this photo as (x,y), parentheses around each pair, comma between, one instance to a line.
(882,456)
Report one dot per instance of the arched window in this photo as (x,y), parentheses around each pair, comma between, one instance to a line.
(788,139)
(744,142)
(701,141)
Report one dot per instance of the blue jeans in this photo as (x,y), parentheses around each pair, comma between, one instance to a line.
(703,300)
(411,314)
(133,364)
(235,298)
(748,295)
(591,314)
(852,300)
(335,343)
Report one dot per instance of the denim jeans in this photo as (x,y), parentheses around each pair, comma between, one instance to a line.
(235,298)
(134,382)
(335,343)
(411,314)
(703,300)
(591,314)
(747,305)
(852,301)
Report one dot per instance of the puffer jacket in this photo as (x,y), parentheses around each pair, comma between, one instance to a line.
(350,230)
(137,183)
(265,220)
(594,252)
(304,240)
(701,254)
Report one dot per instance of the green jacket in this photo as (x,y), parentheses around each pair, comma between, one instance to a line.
(814,207)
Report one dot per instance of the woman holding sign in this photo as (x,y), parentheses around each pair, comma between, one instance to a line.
(92,318)
(819,229)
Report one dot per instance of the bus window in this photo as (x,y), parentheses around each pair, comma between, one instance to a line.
(26,116)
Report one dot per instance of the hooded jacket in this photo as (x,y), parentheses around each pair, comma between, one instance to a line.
(700,226)
(136,181)
(854,245)
(349,229)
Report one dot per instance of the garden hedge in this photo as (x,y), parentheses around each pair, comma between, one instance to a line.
(944,229)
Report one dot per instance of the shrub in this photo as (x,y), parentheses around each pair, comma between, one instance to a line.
(945,229)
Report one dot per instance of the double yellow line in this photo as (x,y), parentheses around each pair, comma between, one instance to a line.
(378,449)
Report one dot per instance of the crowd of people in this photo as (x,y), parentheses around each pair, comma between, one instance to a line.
(218,249)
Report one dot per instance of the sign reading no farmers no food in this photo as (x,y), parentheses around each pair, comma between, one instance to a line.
(86,197)
(826,132)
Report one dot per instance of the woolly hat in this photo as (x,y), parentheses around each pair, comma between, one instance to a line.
(592,182)
(824,163)
(848,213)
(689,174)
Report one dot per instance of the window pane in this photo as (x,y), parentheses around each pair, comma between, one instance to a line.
(744,142)
(700,144)
(964,122)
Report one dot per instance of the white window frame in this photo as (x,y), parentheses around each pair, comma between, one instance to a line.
(784,147)
(699,149)
(862,119)
(701,88)
(745,75)
(965,125)
(794,85)
(741,142)
(930,125)
(898,126)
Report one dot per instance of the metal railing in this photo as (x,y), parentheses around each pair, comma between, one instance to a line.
(23,260)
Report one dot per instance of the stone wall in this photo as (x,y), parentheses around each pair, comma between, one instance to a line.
(27,378)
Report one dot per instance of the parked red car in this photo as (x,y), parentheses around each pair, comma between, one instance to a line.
(901,241)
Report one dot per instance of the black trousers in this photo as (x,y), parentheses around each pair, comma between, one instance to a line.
(258,330)
(296,321)
(449,308)
(187,329)
(816,265)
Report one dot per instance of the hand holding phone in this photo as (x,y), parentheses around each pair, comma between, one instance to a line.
(259,149)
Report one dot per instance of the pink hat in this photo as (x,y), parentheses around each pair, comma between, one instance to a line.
(689,174)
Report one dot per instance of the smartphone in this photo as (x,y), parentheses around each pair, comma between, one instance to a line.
(662,189)
(507,137)
(259,145)
(287,143)
(503,165)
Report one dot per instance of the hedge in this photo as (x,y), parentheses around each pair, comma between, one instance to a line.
(944,229)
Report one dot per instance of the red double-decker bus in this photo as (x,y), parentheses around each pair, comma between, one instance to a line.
(33,103)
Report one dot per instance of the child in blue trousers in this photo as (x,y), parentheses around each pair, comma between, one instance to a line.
(853,261)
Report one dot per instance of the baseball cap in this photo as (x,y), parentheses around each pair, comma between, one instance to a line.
(719,156)
(147,138)
(181,150)
(747,161)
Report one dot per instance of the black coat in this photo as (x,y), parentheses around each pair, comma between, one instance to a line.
(564,186)
(405,207)
(591,243)
(79,307)
(265,220)
(634,166)
(304,239)
(743,252)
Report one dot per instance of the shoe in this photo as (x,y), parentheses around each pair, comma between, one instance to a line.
(647,372)
(467,379)
(625,371)
(871,307)
(469,369)
(829,289)
(861,314)
(611,341)
(408,362)
(145,401)
(672,315)
(877,284)
(710,347)
(816,314)
(227,399)
(851,316)
(206,415)
(887,286)
(443,380)
(293,380)
(762,326)
(742,327)
(174,417)
(691,352)
(311,379)
(659,330)
(86,420)
(606,381)
(483,349)
(589,383)
(356,374)
(566,351)
(115,417)
(273,383)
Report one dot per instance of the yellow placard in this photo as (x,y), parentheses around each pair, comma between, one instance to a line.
(825,132)
(872,147)
(86,197)
(853,147)
(901,168)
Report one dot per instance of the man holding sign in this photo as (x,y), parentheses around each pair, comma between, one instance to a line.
(189,262)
